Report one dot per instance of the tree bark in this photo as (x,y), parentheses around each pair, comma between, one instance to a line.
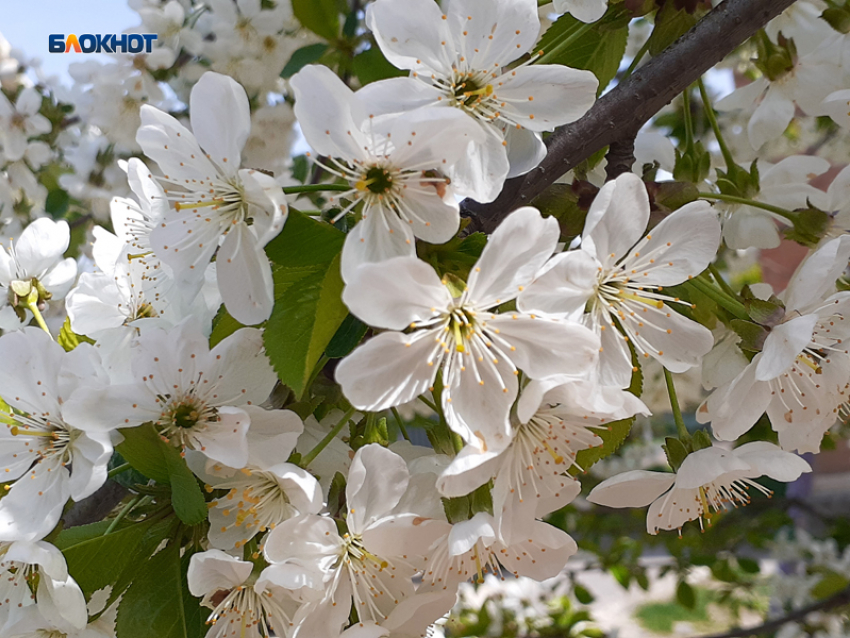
(620,113)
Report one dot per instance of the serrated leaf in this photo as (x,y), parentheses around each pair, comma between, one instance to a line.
(752,335)
(158,602)
(145,451)
(307,313)
(320,16)
(187,499)
(670,24)
(598,48)
(308,308)
(371,65)
(612,439)
(95,560)
(675,451)
(69,339)
(765,313)
(346,338)
(686,596)
(302,57)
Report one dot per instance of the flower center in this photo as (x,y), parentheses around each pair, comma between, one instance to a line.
(377,180)
(183,417)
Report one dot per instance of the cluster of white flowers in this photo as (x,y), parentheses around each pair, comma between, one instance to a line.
(530,354)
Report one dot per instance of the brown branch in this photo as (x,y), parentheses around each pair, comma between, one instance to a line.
(621,156)
(837,600)
(620,113)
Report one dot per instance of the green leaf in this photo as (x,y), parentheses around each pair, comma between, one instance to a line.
(158,602)
(187,499)
(320,16)
(302,57)
(308,306)
(145,451)
(749,565)
(95,560)
(765,313)
(69,339)
(612,439)
(57,202)
(752,335)
(305,242)
(582,595)
(686,596)
(670,24)
(346,337)
(830,584)
(675,451)
(371,66)
(598,47)
(223,326)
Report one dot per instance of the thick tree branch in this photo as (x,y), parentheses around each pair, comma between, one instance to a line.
(619,114)
(837,600)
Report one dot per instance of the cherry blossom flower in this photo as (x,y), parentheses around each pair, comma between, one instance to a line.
(243,604)
(837,106)
(20,122)
(49,456)
(811,79)
(33,271)
(472,548)
(612,283)
(268,490)
(34,574)
(800,377)
(458,59)
(477,351)
(397,170)
(370,566)
(216,202)
(709,480)
(557,419)
(193,394)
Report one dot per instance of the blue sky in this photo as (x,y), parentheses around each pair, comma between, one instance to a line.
(27,25)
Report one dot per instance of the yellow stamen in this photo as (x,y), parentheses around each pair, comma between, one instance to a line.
(212,202)
(805,360)
(649,302)
(558,458)
(458,337)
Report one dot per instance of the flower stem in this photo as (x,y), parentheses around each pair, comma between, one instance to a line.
(720,281)
(786,214)
(122,514)
(431,405)
(674,403)
(638,57)
(36,313)
(315,188)
(400,423)
(312,454)
(732,305)
(689,120)
(118,469)
(712,120)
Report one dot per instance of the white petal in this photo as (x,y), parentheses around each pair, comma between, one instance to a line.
(770,119)
(568,282)
(706,466)
(637,488)
(734,409)
(241,370)
(377,480)
(545,347)
(173,147)
(221,119)
(437,218)
(673,510)
(186,243)
(769,460)
(62,600)
(545,96)
(245,276)
(681,246)
(837,106)
(513,25)
(328,113)
(411,34)
(224,440)
(272,436)
(59,279)
(41,245)
(749,227)
(743,97)
(816,276)
(483,172)
(514,253)
(395,293)
(470,469)
(213,570)
(388,370)
(28,382)
(783,345)
(34,504)
(378,237)
(525,148)
(617,217)
(584,10)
